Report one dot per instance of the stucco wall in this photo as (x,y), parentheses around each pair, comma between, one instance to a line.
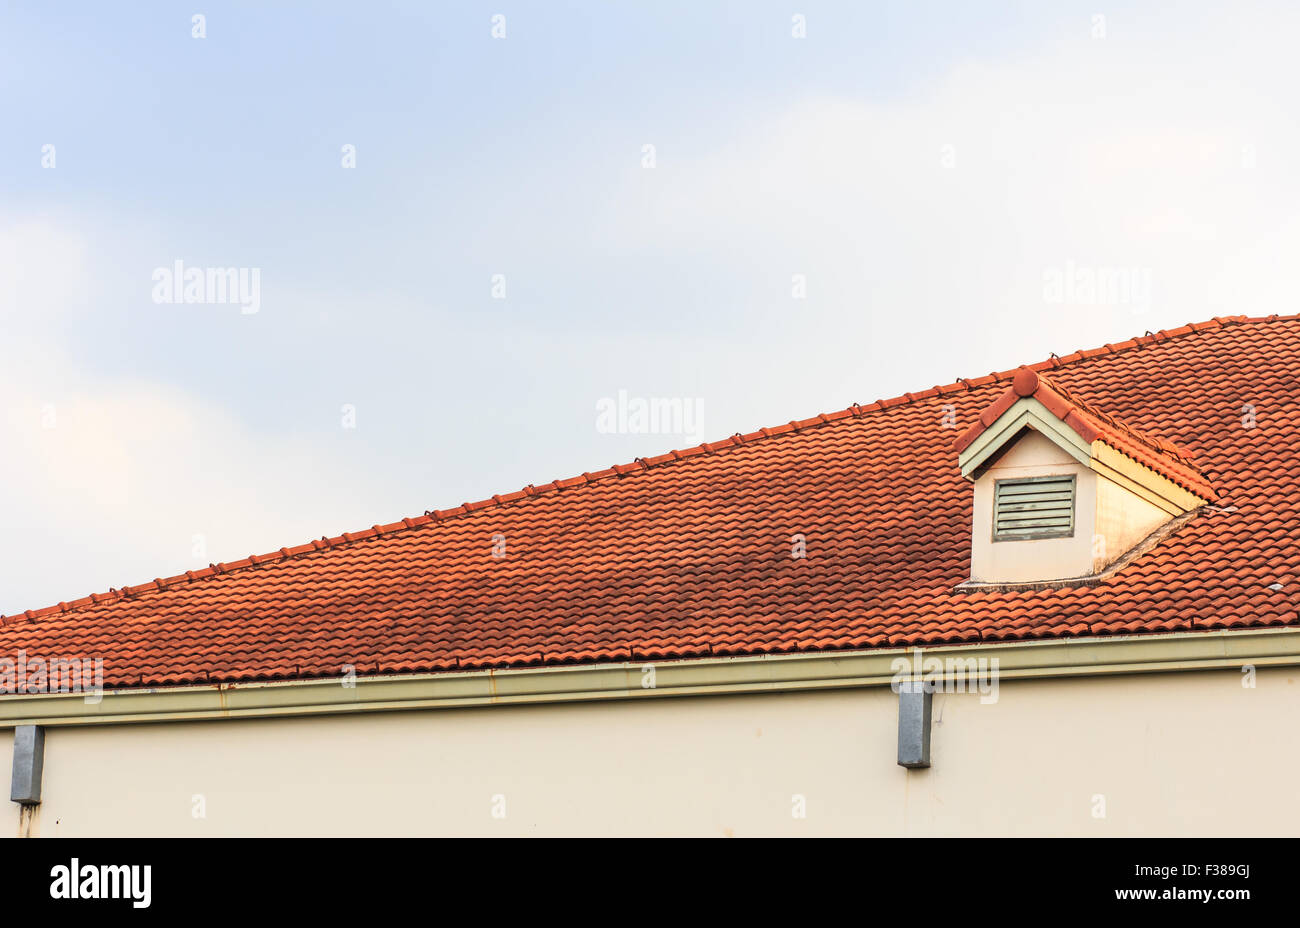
(1172,754)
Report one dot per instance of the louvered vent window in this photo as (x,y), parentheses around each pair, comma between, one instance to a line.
(1033,507)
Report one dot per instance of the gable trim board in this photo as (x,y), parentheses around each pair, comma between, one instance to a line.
(1073,657)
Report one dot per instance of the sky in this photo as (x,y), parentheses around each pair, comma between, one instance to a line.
(476,228)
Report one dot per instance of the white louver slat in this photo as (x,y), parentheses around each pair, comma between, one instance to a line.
(1033,507)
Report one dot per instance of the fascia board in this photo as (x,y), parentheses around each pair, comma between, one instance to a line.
(1025,412)
(1076,657)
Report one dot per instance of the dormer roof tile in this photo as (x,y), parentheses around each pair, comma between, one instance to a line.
(1092,424)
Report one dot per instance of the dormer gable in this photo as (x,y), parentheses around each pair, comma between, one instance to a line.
(1062,490)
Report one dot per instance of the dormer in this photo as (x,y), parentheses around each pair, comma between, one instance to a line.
(1063,491)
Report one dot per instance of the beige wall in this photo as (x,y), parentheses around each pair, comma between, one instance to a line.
(1173,753)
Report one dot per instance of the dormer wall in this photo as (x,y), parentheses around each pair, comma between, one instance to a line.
(1062,490)
(1124,520)
(1016,561)
(1109,519)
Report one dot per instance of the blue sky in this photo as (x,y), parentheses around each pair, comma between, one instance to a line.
(924,167)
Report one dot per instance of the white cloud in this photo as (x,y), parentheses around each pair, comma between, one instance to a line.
(108,481)
(1163,149)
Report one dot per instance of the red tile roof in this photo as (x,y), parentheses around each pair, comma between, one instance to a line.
(1091,424)
(689,554)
